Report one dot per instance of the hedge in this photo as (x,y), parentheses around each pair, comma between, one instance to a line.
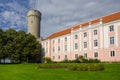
(73,67)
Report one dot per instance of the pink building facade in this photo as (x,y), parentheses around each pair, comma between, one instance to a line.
(97,39)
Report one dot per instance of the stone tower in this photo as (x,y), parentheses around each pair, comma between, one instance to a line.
(34,18)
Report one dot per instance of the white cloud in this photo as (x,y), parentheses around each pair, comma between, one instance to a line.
(14,16)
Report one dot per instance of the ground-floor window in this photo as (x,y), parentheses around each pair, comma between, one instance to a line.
(96,54)
(85,55)
(76,56)
(53,57)
(58,57)
(112,53)
(65,57)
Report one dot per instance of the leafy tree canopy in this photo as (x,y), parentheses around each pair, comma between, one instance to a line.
(18,46)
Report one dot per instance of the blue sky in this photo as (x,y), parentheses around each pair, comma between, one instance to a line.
(56,14)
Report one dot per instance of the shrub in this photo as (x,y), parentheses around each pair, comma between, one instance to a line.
(72,68)
(93,61)
(51,65)
(81,59)
(68,61)
(86,67)
(47,60)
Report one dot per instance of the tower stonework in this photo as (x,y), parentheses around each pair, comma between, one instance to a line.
(34,18)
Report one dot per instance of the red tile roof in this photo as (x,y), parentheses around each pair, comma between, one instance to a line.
(105,19)
(111,17)
(60,33)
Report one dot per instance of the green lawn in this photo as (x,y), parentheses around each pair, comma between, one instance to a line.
(29,72)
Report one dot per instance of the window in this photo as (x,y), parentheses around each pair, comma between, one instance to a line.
(53,57)
(85,55)
(85,44)
(95,32)
(58,48)
(111,28)
(58,40)
(58,57)
(95,43)
(96,54)
(65,39)
(76,45)
(31,21)
(85,34)
(112,53)
(76,56)
(65,47)
(65,57)
(53,49)
(111,40)
(76,36)
(53,42)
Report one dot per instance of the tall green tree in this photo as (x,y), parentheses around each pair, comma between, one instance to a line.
(18,46)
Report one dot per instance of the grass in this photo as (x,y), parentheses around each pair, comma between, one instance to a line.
(30,72)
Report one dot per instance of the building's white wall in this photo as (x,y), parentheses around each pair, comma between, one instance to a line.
(90,38)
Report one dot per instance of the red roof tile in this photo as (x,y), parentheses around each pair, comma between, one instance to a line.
(111,17)
(63,32)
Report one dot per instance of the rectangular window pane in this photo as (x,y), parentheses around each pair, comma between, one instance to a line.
(53,57)
(85,34)
(112,53)
(65,39)
(111,40)
(53,42)
(58,57)
(85,55)
(65,47)
(76,45)
(111,28)
(65,57)
(95,32)
(85,44)
(53,49)
(76,36)
(96,54)
(76,56)
(95,43)
(58,40)
(58,48)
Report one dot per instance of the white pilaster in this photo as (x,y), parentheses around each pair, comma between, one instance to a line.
(80,38)
(101,34)
(90,36)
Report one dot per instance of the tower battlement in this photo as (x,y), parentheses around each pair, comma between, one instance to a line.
(34,13)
